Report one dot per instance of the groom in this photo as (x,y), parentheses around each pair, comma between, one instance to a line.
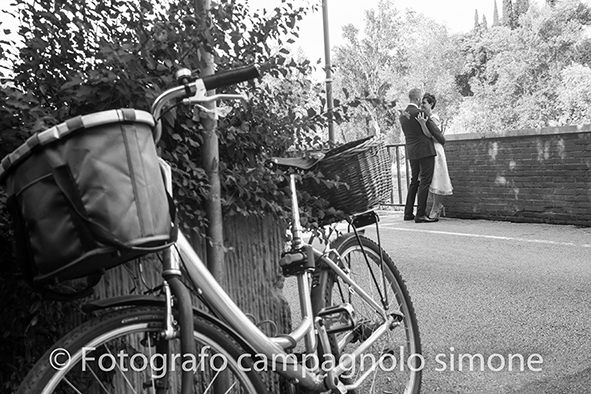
(421,154)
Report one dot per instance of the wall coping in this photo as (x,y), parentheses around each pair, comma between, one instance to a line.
(583,128)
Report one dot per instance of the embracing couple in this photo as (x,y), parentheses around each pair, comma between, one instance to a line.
(421,129)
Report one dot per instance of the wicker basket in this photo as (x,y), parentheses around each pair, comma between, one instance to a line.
(364,168)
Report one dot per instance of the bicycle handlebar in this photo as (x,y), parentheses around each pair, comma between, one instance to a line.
(199,90)
(230,77)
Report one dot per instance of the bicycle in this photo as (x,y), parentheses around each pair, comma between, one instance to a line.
(358,325)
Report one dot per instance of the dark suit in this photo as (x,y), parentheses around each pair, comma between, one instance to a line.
(421,154)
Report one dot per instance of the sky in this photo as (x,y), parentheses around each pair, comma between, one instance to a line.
(457,15)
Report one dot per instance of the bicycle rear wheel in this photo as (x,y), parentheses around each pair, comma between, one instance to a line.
(398,351)
(123,352)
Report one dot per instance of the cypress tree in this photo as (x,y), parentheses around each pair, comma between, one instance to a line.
(508,14)
(476,20)
(521,7)
(496,15)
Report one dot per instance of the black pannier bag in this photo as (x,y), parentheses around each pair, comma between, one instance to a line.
(87,195)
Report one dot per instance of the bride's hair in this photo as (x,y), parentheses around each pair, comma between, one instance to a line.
(430,99)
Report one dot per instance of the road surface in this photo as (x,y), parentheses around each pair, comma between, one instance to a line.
(502,307)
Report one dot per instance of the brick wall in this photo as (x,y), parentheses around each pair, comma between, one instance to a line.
(538,175)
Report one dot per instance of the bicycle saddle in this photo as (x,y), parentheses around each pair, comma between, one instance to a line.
(303,163)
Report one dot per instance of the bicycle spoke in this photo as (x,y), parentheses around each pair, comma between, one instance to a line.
(121,371)
(99,381)
(153,383)
(115,334)
(211,384)
(72,386)
(366,264)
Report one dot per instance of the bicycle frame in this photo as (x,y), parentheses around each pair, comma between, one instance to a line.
(272,348)
(344,311)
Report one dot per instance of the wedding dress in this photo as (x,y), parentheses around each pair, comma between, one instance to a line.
(441,183)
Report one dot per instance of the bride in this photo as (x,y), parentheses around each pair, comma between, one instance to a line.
(441,184)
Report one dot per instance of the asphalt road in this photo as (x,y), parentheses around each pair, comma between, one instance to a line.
(498,292)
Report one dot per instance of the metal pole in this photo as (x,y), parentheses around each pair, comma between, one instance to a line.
(329,103)
(398,175)
(210,162)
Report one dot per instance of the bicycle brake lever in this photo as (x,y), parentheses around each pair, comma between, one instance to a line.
(214,113)
(215,97)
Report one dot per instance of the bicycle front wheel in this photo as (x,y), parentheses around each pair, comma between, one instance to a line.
(124,352)
(396,356)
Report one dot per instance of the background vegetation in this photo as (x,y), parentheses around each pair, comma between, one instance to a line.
(529,68)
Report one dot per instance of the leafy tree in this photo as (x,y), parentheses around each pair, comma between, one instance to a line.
(583,52)
(433,62)
(515,76)
(521,7)
(396,52)
(77,60)
(509,76)
(365,65)
(574,95)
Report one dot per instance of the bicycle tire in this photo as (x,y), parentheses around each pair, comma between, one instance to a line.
(401,371)
(136,330)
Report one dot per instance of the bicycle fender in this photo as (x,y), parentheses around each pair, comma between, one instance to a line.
(149,300)
(122,301)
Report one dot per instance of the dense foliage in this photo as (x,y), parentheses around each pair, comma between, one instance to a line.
(86,57)
(528,75)
(528,70)
(81,57)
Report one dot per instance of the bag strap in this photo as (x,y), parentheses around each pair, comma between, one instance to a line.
(22,245)
(65,181)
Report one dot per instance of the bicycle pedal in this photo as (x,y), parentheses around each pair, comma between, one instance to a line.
(338,318)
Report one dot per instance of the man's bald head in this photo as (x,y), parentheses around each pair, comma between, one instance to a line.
(415,95)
